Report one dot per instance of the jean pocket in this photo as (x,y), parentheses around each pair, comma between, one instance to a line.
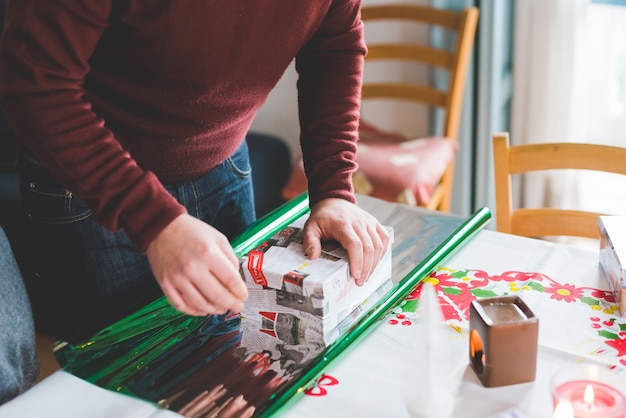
(239,162)
(46,201)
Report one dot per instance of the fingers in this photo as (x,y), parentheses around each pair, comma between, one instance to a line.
(208,296)
(205,405)
(311,239)
(357,249)
(353,244)
(365,249)
(225,267)
(375,241)
(198,292)
(363,237)
(384,238)
(204,402)
(236,407)
(196,268)
(371,252)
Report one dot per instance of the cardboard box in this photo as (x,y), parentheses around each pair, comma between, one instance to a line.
(613,255)
(295,299)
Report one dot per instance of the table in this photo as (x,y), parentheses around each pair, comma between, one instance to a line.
(560,284)
(384,374)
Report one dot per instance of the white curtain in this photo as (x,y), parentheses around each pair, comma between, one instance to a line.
(569,75)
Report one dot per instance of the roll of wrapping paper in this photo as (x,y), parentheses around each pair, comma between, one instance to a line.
(116,353)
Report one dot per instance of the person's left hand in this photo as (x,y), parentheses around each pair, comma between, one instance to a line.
(360,233)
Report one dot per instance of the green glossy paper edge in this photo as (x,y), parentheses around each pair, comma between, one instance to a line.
(265,227)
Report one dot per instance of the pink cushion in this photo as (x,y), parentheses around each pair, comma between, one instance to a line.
(416,165)
(391,164)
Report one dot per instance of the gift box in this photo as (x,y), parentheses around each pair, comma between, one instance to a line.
(295,299)
(297,330)
(613,255)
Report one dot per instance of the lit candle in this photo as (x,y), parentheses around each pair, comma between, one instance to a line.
(591,391)
(563,409)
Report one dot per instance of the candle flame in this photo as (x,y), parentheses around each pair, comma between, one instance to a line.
(589,395)
(563,409)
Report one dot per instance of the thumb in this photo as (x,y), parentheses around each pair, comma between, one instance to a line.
(312,244)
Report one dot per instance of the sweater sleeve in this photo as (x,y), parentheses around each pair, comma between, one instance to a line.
(330,71)
(44,57)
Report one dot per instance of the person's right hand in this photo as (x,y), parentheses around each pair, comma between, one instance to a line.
(196,268)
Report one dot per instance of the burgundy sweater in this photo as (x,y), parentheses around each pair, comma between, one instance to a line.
(116,96)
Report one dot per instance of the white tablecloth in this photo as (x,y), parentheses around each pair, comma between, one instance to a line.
(382,376)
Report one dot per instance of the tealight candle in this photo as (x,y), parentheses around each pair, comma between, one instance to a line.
(592,392)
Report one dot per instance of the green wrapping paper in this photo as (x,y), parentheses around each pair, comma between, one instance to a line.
(266,226)
(114,354)
(157,350)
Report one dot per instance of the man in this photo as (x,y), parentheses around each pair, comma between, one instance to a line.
(133,116)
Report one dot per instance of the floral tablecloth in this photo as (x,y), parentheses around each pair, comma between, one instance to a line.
(388,374)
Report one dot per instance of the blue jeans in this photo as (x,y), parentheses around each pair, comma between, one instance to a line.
(18,362)
(91,276)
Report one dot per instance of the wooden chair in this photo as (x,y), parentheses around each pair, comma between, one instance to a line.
(427,163)
(548,222)
(399,167)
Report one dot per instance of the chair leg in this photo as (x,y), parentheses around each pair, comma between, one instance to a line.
(406,197)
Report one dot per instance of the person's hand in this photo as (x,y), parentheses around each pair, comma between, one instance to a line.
(360,233)
(196,268)
(205,405)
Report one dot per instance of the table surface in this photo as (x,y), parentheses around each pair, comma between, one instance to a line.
(408,367)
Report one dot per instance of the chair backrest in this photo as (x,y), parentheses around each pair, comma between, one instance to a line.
(548,222)
(462,24)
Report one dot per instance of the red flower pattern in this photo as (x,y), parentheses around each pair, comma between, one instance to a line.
(565,292)
(457,290)
(318,389)
(619,345)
